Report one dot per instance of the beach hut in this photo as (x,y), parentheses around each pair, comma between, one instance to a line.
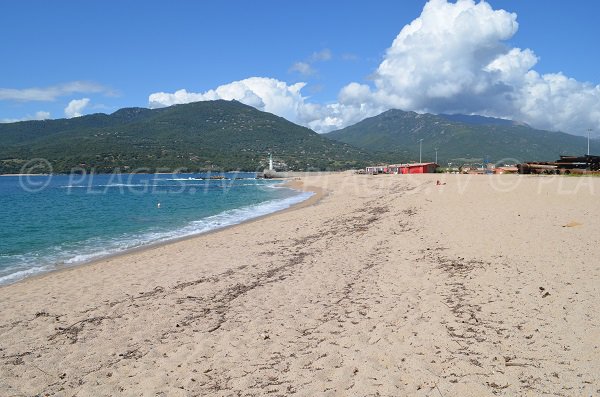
(415,168)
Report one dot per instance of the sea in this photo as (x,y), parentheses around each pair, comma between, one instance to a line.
(49,222)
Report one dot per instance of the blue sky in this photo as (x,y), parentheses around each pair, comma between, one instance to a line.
(111,54)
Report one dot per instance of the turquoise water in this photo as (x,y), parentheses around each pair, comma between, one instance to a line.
(53,221)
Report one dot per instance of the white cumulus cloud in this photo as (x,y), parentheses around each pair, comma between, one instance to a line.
(75,107)
(453,58)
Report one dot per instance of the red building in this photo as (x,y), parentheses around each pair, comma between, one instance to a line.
(414,168)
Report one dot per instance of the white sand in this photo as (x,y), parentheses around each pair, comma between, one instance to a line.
(389,286)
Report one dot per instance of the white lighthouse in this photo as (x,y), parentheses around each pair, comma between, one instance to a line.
(270,172)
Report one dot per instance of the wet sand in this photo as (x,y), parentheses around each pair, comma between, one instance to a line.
(389,285)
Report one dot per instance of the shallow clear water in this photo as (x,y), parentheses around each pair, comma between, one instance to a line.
(58,220)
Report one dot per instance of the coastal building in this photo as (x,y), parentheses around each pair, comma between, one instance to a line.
(412,168)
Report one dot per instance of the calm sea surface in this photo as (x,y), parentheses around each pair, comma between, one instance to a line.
(54,221)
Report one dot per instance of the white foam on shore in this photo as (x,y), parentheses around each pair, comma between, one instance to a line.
(90,251)
(21,274)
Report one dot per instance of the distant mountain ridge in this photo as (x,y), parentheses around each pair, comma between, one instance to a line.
(200,136)
(458,138)
(481,120)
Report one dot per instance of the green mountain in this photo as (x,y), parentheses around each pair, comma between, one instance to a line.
(458,138)
(211,135)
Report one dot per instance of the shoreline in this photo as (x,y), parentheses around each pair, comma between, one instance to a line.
(294,184)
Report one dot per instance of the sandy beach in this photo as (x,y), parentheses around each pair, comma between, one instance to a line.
(386,285)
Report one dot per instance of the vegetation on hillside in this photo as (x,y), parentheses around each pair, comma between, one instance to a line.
(458,138)
(200,136)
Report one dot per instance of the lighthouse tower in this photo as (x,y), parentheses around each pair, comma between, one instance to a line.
(270,172)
